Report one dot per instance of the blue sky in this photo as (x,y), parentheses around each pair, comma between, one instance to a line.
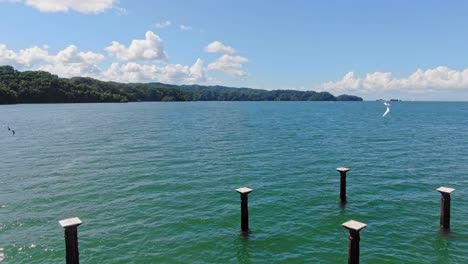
(374,49)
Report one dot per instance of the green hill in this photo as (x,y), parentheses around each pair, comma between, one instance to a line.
(43,87)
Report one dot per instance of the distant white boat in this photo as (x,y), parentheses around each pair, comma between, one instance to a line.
(388,109)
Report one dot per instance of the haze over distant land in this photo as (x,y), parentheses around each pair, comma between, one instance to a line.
(372,49)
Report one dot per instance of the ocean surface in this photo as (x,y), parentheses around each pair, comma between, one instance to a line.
(155,182)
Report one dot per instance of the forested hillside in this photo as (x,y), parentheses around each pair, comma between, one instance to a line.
(44,87)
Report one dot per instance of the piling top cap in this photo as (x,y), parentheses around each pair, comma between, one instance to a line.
(354,225)
(445,190)
(70,222)
(244,190)
(342,169)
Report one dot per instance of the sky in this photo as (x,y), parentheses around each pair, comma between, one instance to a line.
(409,50)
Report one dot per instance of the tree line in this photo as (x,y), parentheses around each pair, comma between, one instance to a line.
(43,87)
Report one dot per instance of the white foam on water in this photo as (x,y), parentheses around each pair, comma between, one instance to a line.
(388,109)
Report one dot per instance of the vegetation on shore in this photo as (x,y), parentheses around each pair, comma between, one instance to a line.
(43,87)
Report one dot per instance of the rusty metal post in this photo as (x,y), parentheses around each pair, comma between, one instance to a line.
(354,228)
(244,191)
(71,239)
(445,206)
(342,183)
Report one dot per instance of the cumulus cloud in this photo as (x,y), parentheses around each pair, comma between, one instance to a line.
(68,62)
(40,55)
(7,56)
(163,24)
(219,47)
(33,55)
(149,49)
(439,78)
(82,6)
(184,27)
(71,55)
(227,63)
(71,62)
(72,70)
(144,60)
(171,73)
(232,65)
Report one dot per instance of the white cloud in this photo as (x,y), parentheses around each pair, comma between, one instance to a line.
(149,49)
(72,70)
(171,73)
(33,55)
(82,6)
(8,56)
(68,62)
(71,55)
(218,47)
(232,65)
(436,79)
(120,11)
(163,24)
(184,27)
(40,55)
(197,72)
(71,62)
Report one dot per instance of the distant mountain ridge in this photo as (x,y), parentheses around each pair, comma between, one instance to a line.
(44,87)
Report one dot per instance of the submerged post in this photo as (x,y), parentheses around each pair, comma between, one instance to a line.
(354,228)
(342,183)
(244,191)
(445,206)
(71,239)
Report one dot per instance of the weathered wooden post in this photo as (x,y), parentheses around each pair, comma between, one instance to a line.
(244,191)
(71,239)
(342,183)
(445,206)
(354,228)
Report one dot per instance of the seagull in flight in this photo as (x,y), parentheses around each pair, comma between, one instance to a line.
(388,109)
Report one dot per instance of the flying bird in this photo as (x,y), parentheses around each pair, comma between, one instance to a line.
(388,109)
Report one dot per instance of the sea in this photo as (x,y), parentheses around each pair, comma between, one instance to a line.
(155,182)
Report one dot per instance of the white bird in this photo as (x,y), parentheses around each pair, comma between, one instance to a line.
(388,109)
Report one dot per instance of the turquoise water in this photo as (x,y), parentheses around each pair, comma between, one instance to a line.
(154,182)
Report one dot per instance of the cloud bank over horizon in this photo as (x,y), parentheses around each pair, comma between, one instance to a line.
(438,79)
(143,60)
(146,60)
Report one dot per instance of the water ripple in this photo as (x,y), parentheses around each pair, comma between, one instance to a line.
(154,182)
